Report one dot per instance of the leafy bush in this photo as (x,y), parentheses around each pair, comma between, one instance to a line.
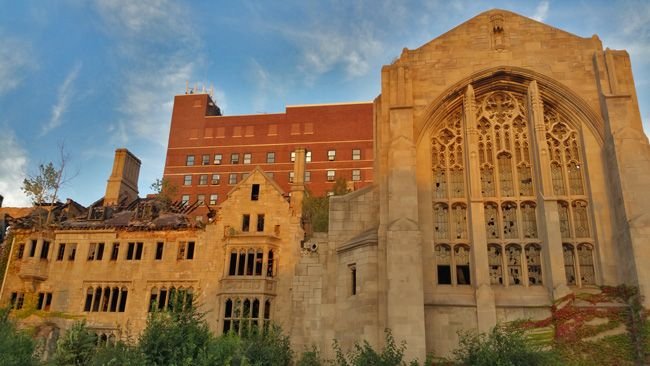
(501,347)
(310,358)
(76,347)
(120,354)
(363,354)
(16,347)
(267,347)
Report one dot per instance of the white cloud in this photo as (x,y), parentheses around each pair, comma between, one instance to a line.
(63,100)
(13,165)
(15,60)
(541,12)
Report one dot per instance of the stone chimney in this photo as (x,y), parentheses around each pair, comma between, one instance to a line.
(123,183)
(298,186)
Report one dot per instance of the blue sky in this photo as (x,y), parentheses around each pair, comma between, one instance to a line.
(98,75)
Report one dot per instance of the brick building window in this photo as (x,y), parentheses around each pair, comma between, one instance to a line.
(189,160)
(293,156)
(356,175)
(200,198)
(270,157)
(185,199)
(307,176)
(234,158)
(214,198)
(217,159)
(248,158)
(203,179)
(331,175)
(353,279)
(216,179)
(232,178)
(205,159)
(291,177)
(331,155)
(187,180)
(308,156)
(356,154)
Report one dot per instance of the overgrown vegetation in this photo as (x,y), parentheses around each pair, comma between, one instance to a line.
(165,190)
(16,347)
(315,209)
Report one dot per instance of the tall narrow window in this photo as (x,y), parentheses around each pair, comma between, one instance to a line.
(255,192)
(60,254)
(529,222)
(461,259)
(504,161)
(563,213)
(130,250)
(443,263)
(496,264)
(232,267)
(492,220)
(569,264)
(356,175)
(534,264)
(586,260)
(245,222)
(227,316)
(115,251)
(123,295)
(353,279)
(138,251)
(270,263)
(160,246)
(89,299)
(513,257)
(250,262)
(100,251)
(32,248)
(260,222)
(232,178)
(259,261)
(510,230)
(45,250)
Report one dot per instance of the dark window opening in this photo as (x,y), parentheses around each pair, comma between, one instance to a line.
(246,221)
(159,250)
(123,296)
(138,251)
(73,252)
(98,296)
(233,264)
(258,263)
(61,253)
(462,275)
(353,273)
(190,250)
(242,261)
(32,248)
(250,263)
(100,251)
(45,250)
(21,251)
(255,192)
(129,251)
(41,299)
(115,295)
(269,267)
(162,299)
(115,251)
(444,275)
(89,299)
(260,222)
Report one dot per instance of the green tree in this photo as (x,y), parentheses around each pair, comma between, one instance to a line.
(503,346)
(267,347)
(120,354)
(174,337)
(363,354)
(165,190)
(316,208)
(16,347)
(76,347)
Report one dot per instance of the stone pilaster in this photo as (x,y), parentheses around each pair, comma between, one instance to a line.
(548,218)
(485,306)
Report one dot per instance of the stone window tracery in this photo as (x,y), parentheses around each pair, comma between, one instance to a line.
(513,259)
(495,261)
(534,264)
(242,316)
(453,266)
(250,262)
(106,299)
(579,264)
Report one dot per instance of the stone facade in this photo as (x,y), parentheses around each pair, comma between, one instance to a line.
(511,169)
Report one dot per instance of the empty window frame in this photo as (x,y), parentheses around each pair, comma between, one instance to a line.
(45,249)
(453,266)
(44,301)
(255,192)
(108,299)
(260,222)
(115,251)
(189,160)
(203,179)
(185,250)
(72,251)
(353,279)
(270,157)
(96,251)
(331,155)
(356,154)
(170,299)
(60,253)
(331,175)
(245,222)
(134,251)
(187,180)
(248,158)
(234,158)
(160,247)
(20,251)
(32,247)
(17,300)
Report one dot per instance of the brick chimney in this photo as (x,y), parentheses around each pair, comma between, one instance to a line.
(123,182)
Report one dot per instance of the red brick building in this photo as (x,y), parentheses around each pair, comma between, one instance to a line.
(209,153)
